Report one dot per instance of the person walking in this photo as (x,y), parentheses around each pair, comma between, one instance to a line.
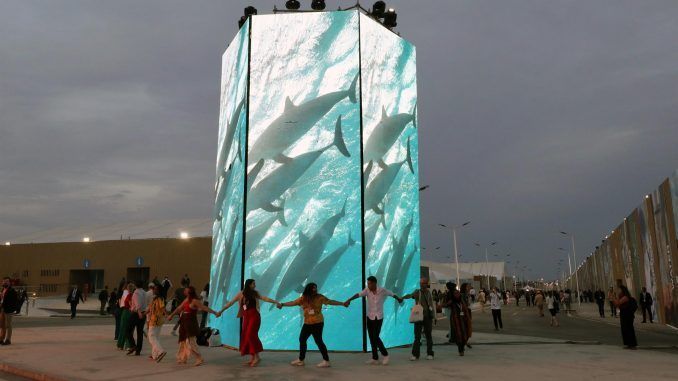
(459,318)
(188,327)
(611,296)
(204,296)
(248,308)
(155,317)
(646,304)
(552,306)
(472,294)
(166,285)
(539,302)
(423,297)
(125,303)
(312,302)
(495,306)
(74,298)
(137,320)
(114,309)
(482,299)
(8,306)
(599,296)
(103,299)
(627,308)
(375,297)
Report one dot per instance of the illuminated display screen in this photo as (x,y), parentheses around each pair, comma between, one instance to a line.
(306,181)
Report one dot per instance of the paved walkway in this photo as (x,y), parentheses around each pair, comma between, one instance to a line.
(88,353)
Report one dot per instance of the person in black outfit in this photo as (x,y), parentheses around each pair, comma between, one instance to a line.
(627,309)
(645,302)
(103,298)
(599,295)
(8,306)
(74,297)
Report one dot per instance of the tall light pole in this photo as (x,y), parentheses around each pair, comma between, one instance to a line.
(576,274)
(454,240)
(487,263)
(569,264)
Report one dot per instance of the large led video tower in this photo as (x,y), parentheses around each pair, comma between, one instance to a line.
(317,173)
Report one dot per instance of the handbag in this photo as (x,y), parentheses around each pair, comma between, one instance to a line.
(417,312)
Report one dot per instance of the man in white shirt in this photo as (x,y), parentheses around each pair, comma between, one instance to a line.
(137,319)
(375,316)
(472,294)
(495,306)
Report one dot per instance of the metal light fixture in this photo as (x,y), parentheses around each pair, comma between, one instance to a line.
(378,9)
(183,235)
(292,4)
(318,5)
(390,18)
(249,11)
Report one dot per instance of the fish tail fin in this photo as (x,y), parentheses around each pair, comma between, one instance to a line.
(281,214)
(282,159)
(351,241)
(252,175)
(409,156)
(352,90)
(339,139)
(414,116)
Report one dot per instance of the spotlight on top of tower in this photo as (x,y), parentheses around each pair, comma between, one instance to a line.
(292,5)
(318,5)
(390,18)
(249,11)
(378,9)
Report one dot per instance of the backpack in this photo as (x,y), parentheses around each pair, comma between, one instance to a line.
(204,336)
(633,305)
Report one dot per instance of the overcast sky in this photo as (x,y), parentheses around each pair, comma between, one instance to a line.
(534,116)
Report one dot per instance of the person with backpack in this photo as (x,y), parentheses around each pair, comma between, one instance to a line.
(627,309)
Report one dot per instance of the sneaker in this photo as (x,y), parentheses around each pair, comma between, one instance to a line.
(297,362)
(384,360)
(414,358)
(371,362)
(429,357)
(323,364)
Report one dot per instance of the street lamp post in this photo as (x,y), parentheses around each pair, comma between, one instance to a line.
(487,263)
(454,240)
(576,274)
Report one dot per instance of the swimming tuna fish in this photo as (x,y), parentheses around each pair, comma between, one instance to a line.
(379,186)
(266,280)
(231,127)
(295,122)
(401,283)
(257,233)
(283,178)
(371,233)
(386,133)
(227,271)
(310,250)
(322,270)
(396,261)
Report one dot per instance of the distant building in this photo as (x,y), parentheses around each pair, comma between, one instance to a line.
(49,262)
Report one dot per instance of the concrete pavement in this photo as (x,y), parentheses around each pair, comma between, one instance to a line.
(77,352)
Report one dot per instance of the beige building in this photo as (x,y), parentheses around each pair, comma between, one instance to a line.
(49,262)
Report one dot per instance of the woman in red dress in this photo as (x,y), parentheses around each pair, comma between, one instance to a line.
(248,301)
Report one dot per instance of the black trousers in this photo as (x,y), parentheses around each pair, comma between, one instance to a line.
(601,309)
(315,330)
(627,330)
(74,307)
(496,317)
(427,326)
(373,331)
(136,323)
(646,310)
(613,309)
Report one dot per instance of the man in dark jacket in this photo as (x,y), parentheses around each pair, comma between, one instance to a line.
(74,297)
(599,296)
(103,298)
(8,306)
(645,302)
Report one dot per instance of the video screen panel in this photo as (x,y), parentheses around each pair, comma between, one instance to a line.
(666,270)
(303,221)
(649,259)
(390,170)
(227,231)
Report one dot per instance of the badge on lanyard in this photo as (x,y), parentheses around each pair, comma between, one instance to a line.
(311,311)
